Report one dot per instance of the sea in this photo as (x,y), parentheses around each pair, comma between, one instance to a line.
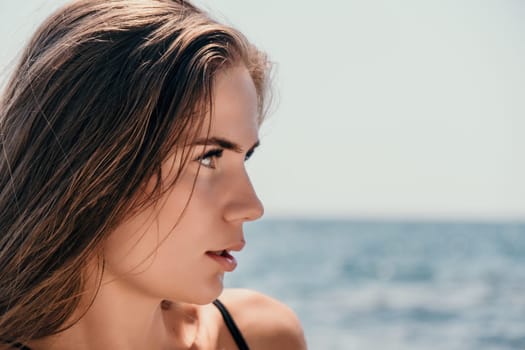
(391,284)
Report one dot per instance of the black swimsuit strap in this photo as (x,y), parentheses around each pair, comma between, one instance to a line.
(232,327)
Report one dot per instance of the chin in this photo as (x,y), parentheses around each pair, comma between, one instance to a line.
(206,294)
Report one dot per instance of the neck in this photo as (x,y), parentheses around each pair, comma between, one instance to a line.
(122,318)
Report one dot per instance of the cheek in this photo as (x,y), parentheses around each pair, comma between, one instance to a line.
(160,228)
(199,209)
(160,255)
(134,242)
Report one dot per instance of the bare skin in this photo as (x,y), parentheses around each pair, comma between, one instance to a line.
(255,315)
(264,322)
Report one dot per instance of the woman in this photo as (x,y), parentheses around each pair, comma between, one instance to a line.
(124,133)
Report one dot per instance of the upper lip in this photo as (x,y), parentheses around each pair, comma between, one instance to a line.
(236,247)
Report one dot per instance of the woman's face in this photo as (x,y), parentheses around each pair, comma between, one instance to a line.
(149,254)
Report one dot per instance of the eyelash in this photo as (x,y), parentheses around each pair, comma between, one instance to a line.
(248,155)
(214,154)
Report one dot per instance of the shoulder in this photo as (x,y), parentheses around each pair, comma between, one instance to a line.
(264,321)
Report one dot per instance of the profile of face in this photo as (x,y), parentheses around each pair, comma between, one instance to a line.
(160,254)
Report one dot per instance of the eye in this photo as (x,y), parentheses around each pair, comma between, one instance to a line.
(209,159)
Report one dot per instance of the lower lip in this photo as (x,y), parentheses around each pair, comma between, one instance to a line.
(227,262)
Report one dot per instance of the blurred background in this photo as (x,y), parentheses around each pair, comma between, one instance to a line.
(391,167)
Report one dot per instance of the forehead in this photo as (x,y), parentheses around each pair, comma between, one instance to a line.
(235,112)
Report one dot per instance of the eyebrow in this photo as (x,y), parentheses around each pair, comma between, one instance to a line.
(223,143)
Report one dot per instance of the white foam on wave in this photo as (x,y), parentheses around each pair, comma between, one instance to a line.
(403,296)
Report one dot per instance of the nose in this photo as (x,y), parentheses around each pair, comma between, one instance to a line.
(243,204)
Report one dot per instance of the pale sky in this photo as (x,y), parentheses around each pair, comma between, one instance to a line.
(405,109)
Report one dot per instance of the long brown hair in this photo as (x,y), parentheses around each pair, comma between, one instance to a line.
(104,91)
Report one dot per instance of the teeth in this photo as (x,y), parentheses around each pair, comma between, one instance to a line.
(218,252)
